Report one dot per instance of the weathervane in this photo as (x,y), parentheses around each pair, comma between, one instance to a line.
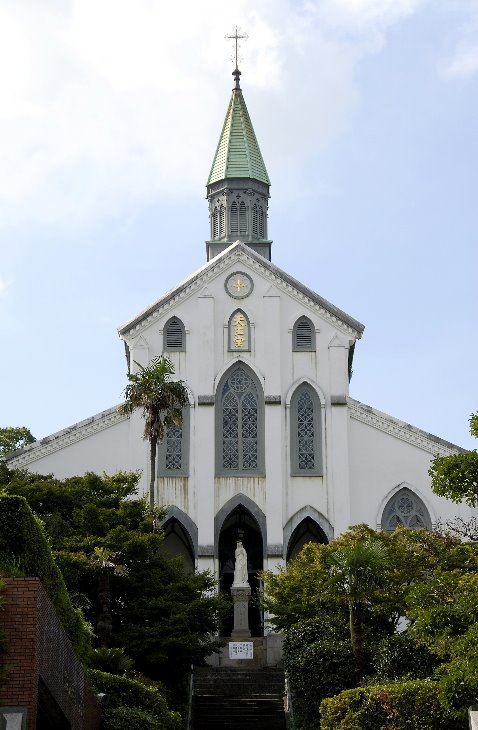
(236,37)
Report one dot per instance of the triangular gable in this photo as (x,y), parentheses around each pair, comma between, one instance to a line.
(239,250)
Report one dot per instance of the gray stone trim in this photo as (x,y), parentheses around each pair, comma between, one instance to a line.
(240,252)
(205,551)
(338,400)
(187,524)
(300,516)
(401,430)
(275,550)
(256,512)
(205,400)
(62,439)
(272,400)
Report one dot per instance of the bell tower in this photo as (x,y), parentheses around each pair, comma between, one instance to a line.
(238,184)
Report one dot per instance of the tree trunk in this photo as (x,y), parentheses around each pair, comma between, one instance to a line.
(356,638)
(152,465)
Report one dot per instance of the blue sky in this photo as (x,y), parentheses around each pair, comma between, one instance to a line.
(366,113)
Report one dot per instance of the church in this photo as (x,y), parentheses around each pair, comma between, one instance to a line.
(272,450)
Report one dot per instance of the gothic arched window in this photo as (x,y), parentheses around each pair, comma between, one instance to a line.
(239,332)
(303,335)
(407,510)
(173,451)
(174,336)
(234,219)
(305,432)
(239,423)
(242,219)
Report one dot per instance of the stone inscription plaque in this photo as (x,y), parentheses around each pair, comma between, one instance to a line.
(241,650)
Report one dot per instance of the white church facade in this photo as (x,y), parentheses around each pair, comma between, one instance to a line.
(272,450)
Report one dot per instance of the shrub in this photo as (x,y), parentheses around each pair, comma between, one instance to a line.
(130,718)
(413,705)
(400,657)
(24,547)
(318,660)
(125,693)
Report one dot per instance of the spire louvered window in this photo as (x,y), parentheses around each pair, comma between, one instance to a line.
(242,219)
(261,222)
(234,219)
(305,432)
(222,221)
(303,335)
(174,335)
(254,220)
(215,223)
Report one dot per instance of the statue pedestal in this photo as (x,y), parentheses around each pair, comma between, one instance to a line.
(240,598)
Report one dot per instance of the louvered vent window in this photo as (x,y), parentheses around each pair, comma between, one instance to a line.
(242,219)
(234,219)
(215,223)
(261,222)
(303,335)
(222,221)
(174,335)
(254,220)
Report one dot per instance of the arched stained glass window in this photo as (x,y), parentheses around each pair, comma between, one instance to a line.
(173,451)
(240,423)
(242,219)
(305,432)
(407,510)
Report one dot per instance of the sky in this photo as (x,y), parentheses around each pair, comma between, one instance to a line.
(366,114)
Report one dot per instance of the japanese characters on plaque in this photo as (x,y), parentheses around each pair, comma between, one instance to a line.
(239,332)
(241,650)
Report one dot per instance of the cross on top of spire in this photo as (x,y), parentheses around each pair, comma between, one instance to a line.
(236,37)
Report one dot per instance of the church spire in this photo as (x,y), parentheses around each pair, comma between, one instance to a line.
(238,183)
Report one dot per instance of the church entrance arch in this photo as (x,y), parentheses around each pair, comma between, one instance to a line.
(241,525)
(307,525)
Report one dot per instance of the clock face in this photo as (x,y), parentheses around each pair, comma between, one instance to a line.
(239,285)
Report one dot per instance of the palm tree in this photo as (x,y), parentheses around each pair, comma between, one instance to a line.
(355,570)
(161,399)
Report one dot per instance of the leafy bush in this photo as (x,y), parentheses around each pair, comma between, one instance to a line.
(400,657)
(413,705)
(113,660)
(130,718)
(319,663)
(24,547)
(126,693)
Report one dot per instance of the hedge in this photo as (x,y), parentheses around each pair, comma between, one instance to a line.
(125,693)
(24,547)
(413,705)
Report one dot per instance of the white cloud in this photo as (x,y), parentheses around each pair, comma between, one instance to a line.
(107,105)
(5,285)
(464,62)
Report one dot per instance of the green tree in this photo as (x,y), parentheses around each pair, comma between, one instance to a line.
(356,570)
(13,438)
(456,476)
(164,616)
(161,400)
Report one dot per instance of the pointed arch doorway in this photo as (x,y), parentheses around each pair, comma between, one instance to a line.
(240,524)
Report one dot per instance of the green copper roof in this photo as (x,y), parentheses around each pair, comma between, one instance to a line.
(238,153)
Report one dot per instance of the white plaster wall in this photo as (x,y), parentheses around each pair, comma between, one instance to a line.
(380,462)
